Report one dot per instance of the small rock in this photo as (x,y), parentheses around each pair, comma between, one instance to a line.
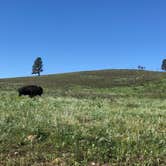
(58,161)
(93,163)
(31,137)
(16,153)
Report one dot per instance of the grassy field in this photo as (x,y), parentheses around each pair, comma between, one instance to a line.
(97,118)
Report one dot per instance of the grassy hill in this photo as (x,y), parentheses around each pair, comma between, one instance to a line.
(106,117)
(94,79)
(95,83)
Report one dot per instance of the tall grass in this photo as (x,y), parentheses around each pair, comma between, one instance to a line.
(71,131)
(110,117)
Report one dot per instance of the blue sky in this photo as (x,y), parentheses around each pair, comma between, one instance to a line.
(74,35)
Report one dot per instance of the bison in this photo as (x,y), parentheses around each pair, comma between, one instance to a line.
(30,90)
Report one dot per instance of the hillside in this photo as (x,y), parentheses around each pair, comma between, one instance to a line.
(96,79)
(80,83)
(92,118)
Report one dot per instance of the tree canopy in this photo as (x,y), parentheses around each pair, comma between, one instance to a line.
(37,67)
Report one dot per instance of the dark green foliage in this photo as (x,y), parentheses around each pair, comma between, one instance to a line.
(163,66)
(37,67)
(141,67)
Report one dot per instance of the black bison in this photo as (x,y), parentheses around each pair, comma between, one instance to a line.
(31,90)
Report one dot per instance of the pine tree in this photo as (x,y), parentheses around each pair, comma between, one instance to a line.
(163,66)
(37,67)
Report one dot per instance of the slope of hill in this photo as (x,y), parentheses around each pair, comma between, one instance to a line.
(96,79)
(107,117)
(80,83)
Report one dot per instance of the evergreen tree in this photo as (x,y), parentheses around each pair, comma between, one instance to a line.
(37,67)
(163,66)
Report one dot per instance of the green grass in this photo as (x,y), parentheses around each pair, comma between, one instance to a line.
(85,118)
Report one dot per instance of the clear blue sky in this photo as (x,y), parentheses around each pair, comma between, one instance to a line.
(74,35)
